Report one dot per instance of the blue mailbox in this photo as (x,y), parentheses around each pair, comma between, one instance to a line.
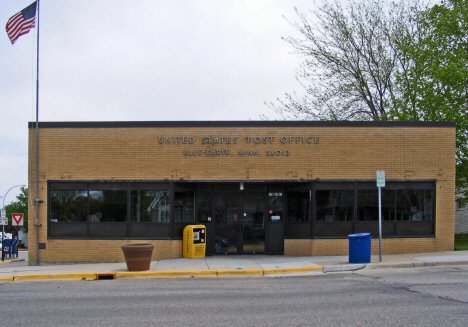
(10,247)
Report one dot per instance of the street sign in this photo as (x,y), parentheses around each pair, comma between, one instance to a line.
(380,184)
(2,213)
(3,221)
(380,178)
(17,219)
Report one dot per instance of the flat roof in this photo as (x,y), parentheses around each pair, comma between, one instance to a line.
(247,123)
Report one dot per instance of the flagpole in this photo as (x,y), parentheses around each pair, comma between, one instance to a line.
(37,140)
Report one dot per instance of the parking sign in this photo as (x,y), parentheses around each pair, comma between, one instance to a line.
(380,178)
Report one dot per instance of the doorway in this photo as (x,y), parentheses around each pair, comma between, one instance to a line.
(240,223)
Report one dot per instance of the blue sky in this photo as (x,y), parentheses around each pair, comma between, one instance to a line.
(142,60)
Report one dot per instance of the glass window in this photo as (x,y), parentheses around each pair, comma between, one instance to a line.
(107,206)
(276,206)
(204,210)
(415,205)
(368,205)
(298,206)
(68,206)
(184,208)
(150,206)
(334,205)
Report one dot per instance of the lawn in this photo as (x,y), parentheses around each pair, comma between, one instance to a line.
(461,242)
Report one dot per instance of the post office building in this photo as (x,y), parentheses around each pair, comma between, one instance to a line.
(295,188)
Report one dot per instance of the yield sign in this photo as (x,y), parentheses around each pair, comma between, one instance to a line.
(17,219)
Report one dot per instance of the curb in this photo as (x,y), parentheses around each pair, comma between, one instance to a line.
(340,268)
(11,260)
(6,279)
(417,264)
(159,274)
(240,272)
(277,271)
(165,274)
(73,276)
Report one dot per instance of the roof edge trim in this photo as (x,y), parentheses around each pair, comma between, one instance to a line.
(249,123)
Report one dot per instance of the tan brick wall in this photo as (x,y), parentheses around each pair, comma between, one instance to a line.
(409,153)
(327,247)
(297,248)
(102,250)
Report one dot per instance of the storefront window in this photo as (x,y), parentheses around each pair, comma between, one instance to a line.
(334,205)
(76,209)
(414,205)
(368,205)
(107,206)
(204,207)
(298,206)
(68,206)
(184,208)
(150,206)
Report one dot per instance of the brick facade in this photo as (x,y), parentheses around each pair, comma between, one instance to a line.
(302,152)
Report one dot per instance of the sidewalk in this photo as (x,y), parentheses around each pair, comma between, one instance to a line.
(221,266)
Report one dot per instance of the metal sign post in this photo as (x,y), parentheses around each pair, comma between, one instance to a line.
(4,221)
(380,184)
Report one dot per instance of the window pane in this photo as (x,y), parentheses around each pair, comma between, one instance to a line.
(276,207)
(298,206)
(107,206)
(68,206)
(184,209)
(368,205)
(334,205)
(204,203)
(150,206)
(414,205)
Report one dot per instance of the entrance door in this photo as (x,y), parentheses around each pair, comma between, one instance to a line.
(239,224)
(253,224)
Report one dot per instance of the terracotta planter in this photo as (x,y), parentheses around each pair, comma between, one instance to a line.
(138,256)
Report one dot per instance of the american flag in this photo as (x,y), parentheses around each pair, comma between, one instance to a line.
(21,23)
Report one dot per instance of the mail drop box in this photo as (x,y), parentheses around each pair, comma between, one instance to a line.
(194,241)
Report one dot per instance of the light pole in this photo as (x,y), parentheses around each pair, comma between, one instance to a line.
(3,226)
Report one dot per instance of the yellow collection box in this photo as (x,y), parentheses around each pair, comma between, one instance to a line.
(194,241)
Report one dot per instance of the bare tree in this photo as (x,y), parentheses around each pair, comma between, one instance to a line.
(352,59)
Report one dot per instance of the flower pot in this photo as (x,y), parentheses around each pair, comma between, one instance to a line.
(138,256)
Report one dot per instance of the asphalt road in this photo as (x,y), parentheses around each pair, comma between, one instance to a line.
(404,297)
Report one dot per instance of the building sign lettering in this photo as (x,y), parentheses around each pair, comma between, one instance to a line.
(230,140)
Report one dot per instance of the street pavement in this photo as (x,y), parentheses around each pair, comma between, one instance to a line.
(18,269)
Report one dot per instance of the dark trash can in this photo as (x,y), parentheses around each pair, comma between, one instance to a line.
(360,248)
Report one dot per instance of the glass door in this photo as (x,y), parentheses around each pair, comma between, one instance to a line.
(253,224)
(226,224)
(239,224)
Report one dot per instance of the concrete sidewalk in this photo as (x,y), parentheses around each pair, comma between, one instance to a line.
(219,266)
